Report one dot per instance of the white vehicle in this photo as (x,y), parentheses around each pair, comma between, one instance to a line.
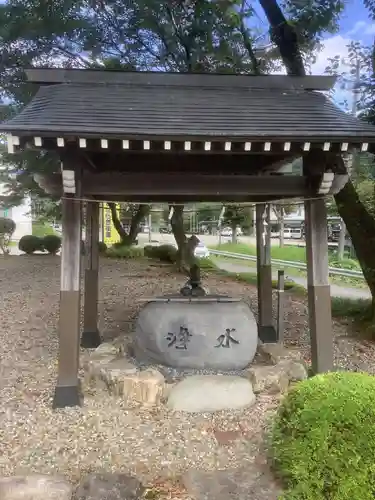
(201,251)
(296,233)
(227,231)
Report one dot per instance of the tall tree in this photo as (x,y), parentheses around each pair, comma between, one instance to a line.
(358,220)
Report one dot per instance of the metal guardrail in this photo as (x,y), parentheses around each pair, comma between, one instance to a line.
(288,263)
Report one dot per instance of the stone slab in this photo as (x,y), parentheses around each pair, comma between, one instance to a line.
(35,487)
(247,483)
(276,378)
(107,486)
(209,393)
(198,335)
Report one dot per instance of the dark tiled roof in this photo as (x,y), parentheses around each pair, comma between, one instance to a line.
(230,112)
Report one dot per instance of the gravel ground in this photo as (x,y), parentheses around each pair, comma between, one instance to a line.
(105,434)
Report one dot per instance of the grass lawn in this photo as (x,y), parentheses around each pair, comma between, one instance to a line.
(294,254)
(289,252)
(42,229)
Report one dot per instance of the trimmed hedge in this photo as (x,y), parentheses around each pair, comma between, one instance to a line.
(30,244)
(52,243)
(124,252)
(164,253)
(7,226)
(323,439)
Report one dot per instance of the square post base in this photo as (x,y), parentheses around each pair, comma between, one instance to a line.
(90,339)
(267,334)
(67,396)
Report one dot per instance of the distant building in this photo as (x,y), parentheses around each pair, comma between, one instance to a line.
(21,215)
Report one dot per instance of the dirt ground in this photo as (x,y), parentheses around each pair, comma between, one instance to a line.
(104,433)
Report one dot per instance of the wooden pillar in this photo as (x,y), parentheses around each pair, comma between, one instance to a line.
(91,336)
(67,392)
(319,296)
(266,328)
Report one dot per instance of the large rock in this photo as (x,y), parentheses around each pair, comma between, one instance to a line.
(247,483)
(109,487)
(35,487)
(276,378)
(274,353)
(270,379)
(121,378)
(205,333)
(208,393)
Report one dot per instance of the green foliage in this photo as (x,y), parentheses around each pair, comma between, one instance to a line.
(238,216)
(366,193)
(124,252)
(289,252)
(102,247)
(164,253)
(207,264)
(358,309)
(30,244)
(7,226)
(41,229)
(345,264)
(52,243)
(323,438)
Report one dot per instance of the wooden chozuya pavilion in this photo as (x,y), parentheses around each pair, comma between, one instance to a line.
(152,137)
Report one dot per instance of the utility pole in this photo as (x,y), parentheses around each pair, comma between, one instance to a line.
(342,237)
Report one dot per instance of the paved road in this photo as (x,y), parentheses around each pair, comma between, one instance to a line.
(336,291)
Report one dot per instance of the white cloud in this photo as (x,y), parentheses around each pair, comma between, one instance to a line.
(334,46)
(370,29)
(362,28)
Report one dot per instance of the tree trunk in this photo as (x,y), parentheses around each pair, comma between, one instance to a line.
(234,234)
(361,227)
(281,234)
(185,246)
(129,238)
(141,213)
(342,239)
(360,224)
(281,226)
(116,221)
(177,225)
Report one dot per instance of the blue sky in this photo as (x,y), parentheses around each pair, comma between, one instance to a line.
(356,13)
(355,24)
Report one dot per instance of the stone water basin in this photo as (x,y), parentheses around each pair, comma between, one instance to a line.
(211,332)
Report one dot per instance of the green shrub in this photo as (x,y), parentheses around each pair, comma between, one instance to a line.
(164,253)
(323,438)
(351,264)
(52,243)
(167,253)
(124,252)
(30,244)
(7,226)
(102,247)
(149,251)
